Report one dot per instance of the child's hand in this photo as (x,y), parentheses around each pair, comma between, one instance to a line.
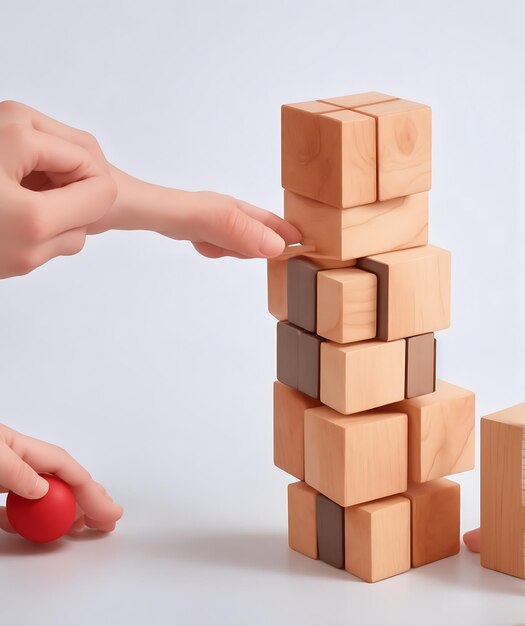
(54,181)
(216,224)
(22,457)
(472,540)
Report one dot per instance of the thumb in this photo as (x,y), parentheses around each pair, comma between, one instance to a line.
(234,230)
(17,476)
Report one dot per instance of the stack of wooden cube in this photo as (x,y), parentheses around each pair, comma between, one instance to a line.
(358,417)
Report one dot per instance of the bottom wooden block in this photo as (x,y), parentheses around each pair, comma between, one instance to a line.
(302,519)
(377,538)
(435,513)
(330,532)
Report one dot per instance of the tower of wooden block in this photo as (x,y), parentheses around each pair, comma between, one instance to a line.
(358,417)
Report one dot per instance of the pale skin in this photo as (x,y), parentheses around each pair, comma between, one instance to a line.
(56,187)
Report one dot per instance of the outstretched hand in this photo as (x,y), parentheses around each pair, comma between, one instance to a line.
(22,458)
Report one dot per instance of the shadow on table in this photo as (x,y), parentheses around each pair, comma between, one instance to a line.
(14,545)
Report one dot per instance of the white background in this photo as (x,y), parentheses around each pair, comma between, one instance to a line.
(154,366)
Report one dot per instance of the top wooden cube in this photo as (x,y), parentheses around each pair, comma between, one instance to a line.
(332,153)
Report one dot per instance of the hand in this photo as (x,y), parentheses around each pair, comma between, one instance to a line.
(216,224)
(54,181)
(22,457)
(472,540)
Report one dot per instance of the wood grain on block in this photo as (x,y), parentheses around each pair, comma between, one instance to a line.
(363,230)
(298,358)
(435,512)
(420,377)
(302,292)
(277,274)
(357,458)
(502,491)
(330,532)
(377,538)
(328,154)
(404,147)
(302,519)
(358,99)
(346,304)
(440,432)
(363,375)
(289,406)
(413,291)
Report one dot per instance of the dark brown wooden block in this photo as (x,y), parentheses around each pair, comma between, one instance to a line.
(302,293)
(420,364)
(330,532)
(298,358)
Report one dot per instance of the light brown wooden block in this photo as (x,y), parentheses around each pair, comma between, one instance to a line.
(362,375)
(328,155)
(503,491)
(362,230)
(346,304)
(277,274)
(358,99)
(435,512)
(440,432)
(413,291)
(289,406)
(357,458)
(404,147)
(377,538)
(302,519)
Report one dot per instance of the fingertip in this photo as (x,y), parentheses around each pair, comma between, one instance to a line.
(472,540)
(272,244)
(39,490)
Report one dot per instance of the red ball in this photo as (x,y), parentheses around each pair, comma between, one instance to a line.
(47,518)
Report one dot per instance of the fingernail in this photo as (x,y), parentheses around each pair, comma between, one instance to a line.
(271,244)
(40,489)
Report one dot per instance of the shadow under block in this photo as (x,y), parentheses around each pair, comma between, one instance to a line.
(413,291)
(298,358)
(302,519)
(377,538)
(289,406)
(435,512)
(330,532)
(346,305)
(420,375)
(302,293)
(503,491)
(362,230)
(440,432)
(363,375)
(404,147)
(277,274)
(328,153)
(357,458)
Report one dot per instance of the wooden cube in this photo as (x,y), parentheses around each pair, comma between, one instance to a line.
(298,358)
(363,375)
(346,304)
(357,458)
(289,406)
(302,292)
(503,491)
(440,432)
(413,291)
(302,519)
(277,274)
(377,538)
(328,153)
(404,147)
(330,532)
(362,230)
(420,374)
(435,512)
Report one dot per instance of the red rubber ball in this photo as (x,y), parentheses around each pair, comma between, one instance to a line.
(47,518)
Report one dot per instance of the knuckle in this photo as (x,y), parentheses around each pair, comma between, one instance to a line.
(235,221)
(11,107)
(87,140)
(32,221)
(76,244)
(18,134)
